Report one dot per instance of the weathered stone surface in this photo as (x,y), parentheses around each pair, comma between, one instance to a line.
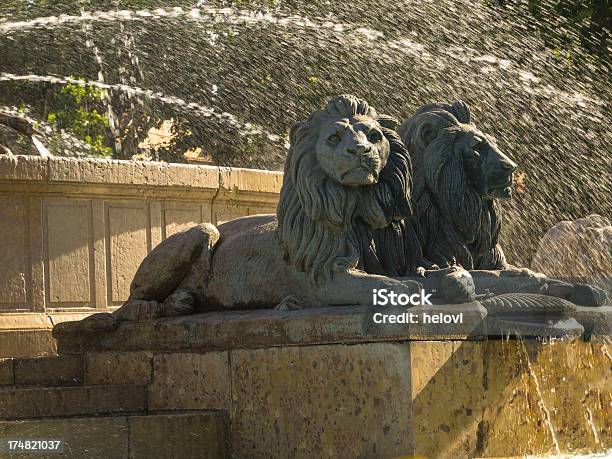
(118,368)
(103,438)
(190,381)
(16,168)
(192,435)
(238,179)
(27,321)
(252,329)
(63,370)
(447,397)
(6,372)
(138,203)
(579,248)
(321,401)
(575,379)
(71,401)
(27,343)
(546,398)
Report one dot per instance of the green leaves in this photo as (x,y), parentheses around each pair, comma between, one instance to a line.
(80,114)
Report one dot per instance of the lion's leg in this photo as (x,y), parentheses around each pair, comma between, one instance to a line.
(450,285)
(527,281)
(356,287)
(165,284)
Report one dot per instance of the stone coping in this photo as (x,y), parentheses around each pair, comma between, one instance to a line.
(38,320)
(57,173)
(268,327)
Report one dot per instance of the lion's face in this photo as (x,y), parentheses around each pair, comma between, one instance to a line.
(488,170)
(352,150)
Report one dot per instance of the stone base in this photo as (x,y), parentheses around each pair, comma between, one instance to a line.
(29,334)
(318,383)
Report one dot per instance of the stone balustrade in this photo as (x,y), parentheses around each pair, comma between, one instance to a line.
(73,231)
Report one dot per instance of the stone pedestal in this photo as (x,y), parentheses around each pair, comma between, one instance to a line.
(320,383)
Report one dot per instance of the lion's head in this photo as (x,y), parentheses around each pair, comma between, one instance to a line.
(346,170)
(458,173)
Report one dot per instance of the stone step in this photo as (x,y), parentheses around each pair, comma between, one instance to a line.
(202,434)
(42,402)
(105,368)
(42,371)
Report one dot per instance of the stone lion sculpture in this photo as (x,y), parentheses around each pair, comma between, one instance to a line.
(580,249)
(459,173)
(341,223)
(343,228)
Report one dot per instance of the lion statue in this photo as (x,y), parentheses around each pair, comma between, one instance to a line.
(459,174)
(342,222)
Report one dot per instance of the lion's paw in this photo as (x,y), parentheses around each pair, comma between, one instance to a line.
(290,303)
(96,323)
(457,286)
(587,295)
(180,303)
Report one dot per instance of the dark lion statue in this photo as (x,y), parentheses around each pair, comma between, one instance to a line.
(459,174)
(339,227)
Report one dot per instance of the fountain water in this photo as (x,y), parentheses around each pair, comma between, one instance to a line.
(233,80)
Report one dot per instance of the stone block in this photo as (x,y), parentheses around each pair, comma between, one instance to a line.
(574,387)
(192,435)
(19,167)
(249,180)
(71,401)
(267,327)
(447,397)
(103,438)
(190,381)
(6,372)
(65,370)
(321,401)
(25,321)
(515,421)
(118,368)
(27,343)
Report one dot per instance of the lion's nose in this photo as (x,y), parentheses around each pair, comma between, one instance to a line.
(508,166)
(359,149)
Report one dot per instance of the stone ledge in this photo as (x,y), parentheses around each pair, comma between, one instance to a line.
(266,328)
(112,175)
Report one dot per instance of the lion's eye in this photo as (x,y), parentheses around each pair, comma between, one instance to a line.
(477,142)
(374,136)
(334,138)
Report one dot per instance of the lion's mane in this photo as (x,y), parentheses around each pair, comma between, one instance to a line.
(325,226)
(455,223)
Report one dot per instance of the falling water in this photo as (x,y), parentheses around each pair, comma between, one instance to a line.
(233,80)
(541,402)
(245,128)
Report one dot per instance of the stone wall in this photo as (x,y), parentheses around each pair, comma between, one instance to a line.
(311,383)
(73,231)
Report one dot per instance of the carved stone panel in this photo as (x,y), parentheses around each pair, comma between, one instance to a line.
(69,252)
(14,265)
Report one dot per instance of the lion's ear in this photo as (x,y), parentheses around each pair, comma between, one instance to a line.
(461,111)
(427,131)
(293,132)
(388,122)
